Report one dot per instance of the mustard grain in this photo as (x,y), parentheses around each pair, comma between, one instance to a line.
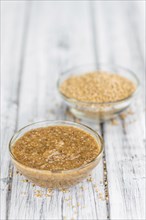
(98,87)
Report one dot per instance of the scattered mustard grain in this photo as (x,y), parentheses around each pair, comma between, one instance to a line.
(114,122)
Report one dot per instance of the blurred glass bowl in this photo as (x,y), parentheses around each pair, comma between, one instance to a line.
(94,111)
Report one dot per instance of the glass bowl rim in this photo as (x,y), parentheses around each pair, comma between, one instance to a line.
(75,101)
(61,122)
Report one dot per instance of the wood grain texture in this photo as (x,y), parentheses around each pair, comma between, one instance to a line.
(40,39)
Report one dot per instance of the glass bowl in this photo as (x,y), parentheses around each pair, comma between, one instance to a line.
(56,179)
(94,111)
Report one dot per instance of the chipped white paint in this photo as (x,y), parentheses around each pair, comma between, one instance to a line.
(39,40)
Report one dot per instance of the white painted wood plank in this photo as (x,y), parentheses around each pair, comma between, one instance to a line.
(52,46)
(11,51)
(124,144)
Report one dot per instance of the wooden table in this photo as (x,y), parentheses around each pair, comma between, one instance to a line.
(40,39)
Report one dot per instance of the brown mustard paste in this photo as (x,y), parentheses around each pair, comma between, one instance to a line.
(55,148)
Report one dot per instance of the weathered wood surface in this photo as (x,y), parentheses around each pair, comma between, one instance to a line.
(39,40)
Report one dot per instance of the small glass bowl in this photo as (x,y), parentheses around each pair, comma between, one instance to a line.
(94,111)
(56,179)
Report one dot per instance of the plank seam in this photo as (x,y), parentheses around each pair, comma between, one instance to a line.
(93,30)
(24,40)
(105,176)
(96,55)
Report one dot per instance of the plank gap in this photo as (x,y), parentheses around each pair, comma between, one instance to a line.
(20,74)
(22,59)
(93,30)
(96,55)
(105,176)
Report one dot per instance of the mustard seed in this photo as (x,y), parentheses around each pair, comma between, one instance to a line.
(98,87)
